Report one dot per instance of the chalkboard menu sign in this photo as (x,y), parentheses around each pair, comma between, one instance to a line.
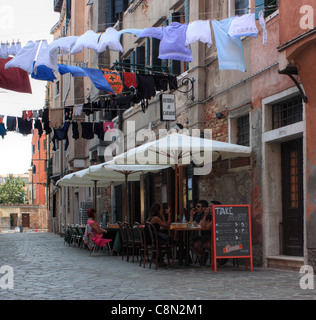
(231,232)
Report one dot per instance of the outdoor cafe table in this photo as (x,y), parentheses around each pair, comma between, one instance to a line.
(183,235)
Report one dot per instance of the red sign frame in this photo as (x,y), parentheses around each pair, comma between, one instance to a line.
(214,254)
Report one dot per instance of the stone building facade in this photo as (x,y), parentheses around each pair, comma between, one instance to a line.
(260,108)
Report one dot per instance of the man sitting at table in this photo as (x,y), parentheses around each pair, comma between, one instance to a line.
(202,216)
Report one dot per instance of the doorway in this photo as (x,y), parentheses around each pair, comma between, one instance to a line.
(13,220)
(25,220)
(292,197)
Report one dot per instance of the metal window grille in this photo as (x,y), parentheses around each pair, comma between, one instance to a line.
(287,112)
(243,132)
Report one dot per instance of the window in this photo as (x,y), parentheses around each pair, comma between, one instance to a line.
(269,6)
(241,7)
(287,112)
(243,130)
(57,87)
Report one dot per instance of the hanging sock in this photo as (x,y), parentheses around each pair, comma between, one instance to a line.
(264,28)
(229,51)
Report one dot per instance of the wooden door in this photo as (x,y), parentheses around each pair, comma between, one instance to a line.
(25,220)
(292,197)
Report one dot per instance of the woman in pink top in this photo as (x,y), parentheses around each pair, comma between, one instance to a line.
(97,230)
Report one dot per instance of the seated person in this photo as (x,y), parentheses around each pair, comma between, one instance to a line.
(99,233)
(199,216)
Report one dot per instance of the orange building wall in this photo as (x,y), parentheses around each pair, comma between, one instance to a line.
(39,177)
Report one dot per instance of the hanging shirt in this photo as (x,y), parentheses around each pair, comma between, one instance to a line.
(1,118)
(25,58)
(3,131)
(43,73)
(130,79)
(199,30)
(88,40)
(78,109)
(48,54)
(56,117)
(172,41)
(114,80)
(14,79)
(61,134)
(87,130)
(38,125)
(11,123)
(243,26)
(25,126)
(110,38)
(27,115)
(229,51)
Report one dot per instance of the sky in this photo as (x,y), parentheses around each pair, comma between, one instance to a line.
(22,21)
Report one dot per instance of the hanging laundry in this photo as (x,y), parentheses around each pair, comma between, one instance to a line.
(48,54)
(111,39)
(68,112)
(4,54)
(25,58)
(162,82)
(75,130)
(45,121)
(108,126)
(12,49)
(243,26)
(199,30)
(27,115)
(98,130)
(11,123)
(114,80)
(145,86)
(25,126)
(87,130)
(74,70)
(172,41)
(135,32)
(88,40)
(38,125)
(43,73)
(130,80)
(61,134)
(229,51)
(14,79)
(264,28)
(1,118)
(87,109)
(3,130)
(78,110)
(56,117)
(95,75)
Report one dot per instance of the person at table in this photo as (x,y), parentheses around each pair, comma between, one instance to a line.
(200,216)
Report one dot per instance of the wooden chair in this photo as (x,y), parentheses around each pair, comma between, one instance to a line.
(143,250)
(124,240)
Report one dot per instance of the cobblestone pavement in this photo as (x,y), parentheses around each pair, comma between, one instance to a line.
(46,269)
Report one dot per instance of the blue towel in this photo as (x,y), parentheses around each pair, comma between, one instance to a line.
(229,51)
(43,73)
(95,75)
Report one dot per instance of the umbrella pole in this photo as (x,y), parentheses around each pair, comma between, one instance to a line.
(95,194)
(176,193)
(125,197)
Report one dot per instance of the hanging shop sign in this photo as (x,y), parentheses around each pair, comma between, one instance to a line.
(167,107)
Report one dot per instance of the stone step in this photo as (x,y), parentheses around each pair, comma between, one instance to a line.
(285,262)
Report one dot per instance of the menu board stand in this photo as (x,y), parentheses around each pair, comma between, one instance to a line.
(231,233)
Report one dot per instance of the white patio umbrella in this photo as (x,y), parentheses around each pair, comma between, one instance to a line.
(110,170)
(105,174)
(178,149)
